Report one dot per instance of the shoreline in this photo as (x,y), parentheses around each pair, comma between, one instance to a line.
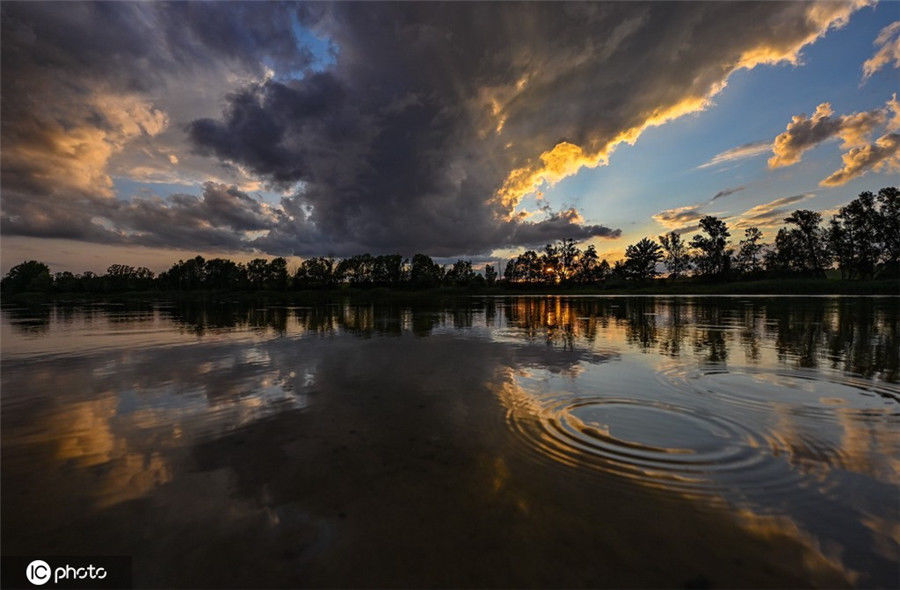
(760,288)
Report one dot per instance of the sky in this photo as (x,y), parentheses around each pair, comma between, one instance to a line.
(141,133)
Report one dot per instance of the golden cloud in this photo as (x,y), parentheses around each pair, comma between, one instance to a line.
(882,154)
(566,158)
(75,154)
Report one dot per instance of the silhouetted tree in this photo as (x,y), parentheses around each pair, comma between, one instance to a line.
(221,273)
(749,259)
(641,259)
(425,272)
(528,267)
(810,241)
(490,275)
(121,277)
(568,256)
(712,258)
(30,275)
(390,270)
(277,274)
(889,232)
(551,267)
(677,259)
(67,282)
(257,271)
(315,272)
(460,274)
(603,271)
(587,268)
(356,270)
(863,235)
(184,274)
(619,270)
(787,254)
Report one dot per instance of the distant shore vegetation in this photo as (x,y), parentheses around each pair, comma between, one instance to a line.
(861,242)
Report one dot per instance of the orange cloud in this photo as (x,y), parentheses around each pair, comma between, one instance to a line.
(566,158)
(882,154)
(862,155)
(804,133)
(75,155)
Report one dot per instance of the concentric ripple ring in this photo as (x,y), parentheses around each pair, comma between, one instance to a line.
(663,445)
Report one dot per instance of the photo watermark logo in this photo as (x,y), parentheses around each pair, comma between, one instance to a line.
(66,572)
(38,572)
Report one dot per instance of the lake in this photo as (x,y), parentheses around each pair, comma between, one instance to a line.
(511,441)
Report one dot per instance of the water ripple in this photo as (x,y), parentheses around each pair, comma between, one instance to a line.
(662,445)
(733,434)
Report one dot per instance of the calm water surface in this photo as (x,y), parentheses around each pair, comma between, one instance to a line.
(522,441)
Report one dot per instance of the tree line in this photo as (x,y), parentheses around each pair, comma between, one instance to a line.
(862,240)
(364,270)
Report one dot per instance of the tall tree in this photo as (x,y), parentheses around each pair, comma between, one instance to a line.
(787,254)
(677,259)
(889,229)
(552,271)
(315,272)
(588,266)
(425,272)
(222,273)
(490,274)
(569,255)
(460,274)
(641,259)
(277,274)
(748,257)
(712,255)
(257,272)
(812,240)
(864,235)
(389,270)
(527,267)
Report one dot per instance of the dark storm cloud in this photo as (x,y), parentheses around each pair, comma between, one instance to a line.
(424,135)
(215,219)
(565,223)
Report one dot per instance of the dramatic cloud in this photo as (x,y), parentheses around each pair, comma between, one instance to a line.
(804,133)
(768,214)
(568,223)
(888,44)
(748,150)
(424,134)
(219,218)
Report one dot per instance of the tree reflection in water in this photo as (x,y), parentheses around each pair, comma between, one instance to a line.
(568,435)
